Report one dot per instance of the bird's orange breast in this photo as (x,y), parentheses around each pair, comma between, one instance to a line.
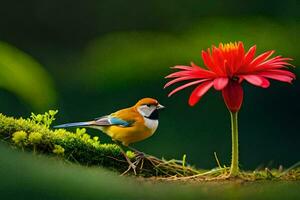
(128,135)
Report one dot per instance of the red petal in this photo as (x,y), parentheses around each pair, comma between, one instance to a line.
(193,71)
(199,92)
(265,83)
(184,78)
(274,63)
(281,72)
(179,74)
(239,57)
(257,80)
(208,61)
(220,83)
(218,60)
(277,77)
(199,70)
(249,55)
(261,58)
(185,86)
(233,96)
(182,67)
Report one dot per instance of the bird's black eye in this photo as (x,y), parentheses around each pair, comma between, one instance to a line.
(148,105)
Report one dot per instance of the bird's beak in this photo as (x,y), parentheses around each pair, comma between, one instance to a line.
(160,107)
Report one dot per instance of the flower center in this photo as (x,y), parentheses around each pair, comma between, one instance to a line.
(234,78)
(228,47)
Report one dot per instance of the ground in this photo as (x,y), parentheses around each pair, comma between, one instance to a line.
(26,176)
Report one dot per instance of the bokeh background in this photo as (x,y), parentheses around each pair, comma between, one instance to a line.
(89,58)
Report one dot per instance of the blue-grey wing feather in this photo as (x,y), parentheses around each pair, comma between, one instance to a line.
(102,121)
(110,121)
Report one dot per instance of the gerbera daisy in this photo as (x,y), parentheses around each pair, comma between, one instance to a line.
(227,66)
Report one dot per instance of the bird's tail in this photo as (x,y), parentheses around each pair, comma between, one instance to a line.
(76,124)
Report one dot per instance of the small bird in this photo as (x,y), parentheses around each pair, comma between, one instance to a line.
(127,125)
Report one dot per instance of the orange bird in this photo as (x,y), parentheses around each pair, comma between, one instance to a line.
(127,125)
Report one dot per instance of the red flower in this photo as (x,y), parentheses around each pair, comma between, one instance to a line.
(227,66)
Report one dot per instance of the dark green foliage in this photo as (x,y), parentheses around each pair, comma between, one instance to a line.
(17,72)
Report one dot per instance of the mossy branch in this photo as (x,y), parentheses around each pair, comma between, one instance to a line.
(33,134)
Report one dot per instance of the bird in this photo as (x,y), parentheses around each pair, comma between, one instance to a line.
(127,126)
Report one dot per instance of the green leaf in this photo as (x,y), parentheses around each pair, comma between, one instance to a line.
(26,78)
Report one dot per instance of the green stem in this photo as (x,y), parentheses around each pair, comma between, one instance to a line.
(234,168)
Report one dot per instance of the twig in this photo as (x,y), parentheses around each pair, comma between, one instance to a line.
(289,169)
(217,160)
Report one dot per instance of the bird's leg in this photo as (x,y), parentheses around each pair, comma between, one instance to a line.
(131,165)
(138,153)
(139,156)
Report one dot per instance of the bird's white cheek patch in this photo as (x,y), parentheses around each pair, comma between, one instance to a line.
(151,124)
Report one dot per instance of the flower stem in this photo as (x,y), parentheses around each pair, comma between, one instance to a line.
(234,168)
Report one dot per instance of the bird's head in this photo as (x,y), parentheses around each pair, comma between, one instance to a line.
(149,108)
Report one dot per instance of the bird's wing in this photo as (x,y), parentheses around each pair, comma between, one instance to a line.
(129,115)
(111,120)
(102,121)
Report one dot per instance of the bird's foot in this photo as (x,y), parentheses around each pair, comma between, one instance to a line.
(130,166)
(139,161)
(139,155)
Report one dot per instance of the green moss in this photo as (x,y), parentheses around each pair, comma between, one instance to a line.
(58,150)
(33,134)
(78,147)
(19,137)
(35,138)
(46,119)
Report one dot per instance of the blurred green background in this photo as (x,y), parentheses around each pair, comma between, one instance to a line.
(40,178)
(89,58)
